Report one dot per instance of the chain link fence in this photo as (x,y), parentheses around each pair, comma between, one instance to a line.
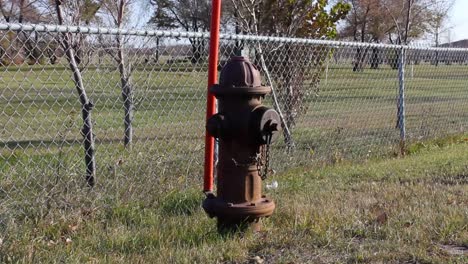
(138,97)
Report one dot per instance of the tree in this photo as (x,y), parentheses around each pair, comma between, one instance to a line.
(75,12)
(293,70)
(21,11)
(409,19)
(393,21)
(294,18)
(365,23)
(437,24)
(118,12)
(190,15)
(22,45)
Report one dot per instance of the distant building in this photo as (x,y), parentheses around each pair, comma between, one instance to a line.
(456,44)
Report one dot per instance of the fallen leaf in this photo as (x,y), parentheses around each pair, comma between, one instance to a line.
(257,260)
(382,218)
(73,227)
(408,224)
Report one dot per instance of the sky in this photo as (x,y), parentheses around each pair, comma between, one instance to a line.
(458,19)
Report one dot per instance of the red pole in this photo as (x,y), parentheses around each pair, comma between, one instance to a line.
(210,102)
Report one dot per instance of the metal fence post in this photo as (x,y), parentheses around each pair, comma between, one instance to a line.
(401,100)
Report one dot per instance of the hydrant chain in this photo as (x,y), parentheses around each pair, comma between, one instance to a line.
(263,168)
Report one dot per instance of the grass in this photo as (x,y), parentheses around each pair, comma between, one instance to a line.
(145,207)
(399,210)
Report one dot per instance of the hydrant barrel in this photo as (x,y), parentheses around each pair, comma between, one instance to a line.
(244,128)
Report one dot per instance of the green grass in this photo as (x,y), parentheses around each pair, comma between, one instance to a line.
(399,210)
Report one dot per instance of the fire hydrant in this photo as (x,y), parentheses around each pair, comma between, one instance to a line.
(244,129)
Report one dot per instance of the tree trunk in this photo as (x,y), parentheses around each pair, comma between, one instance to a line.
(357,58)
(437,45)
(127,94)
(86,104)
(127,98)
(197,51)
(89,144)
(375,58)
(395,60)
(407,22)
(156,59)
(238,44)
(86,108)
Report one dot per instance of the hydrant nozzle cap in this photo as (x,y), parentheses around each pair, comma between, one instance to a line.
(239,76)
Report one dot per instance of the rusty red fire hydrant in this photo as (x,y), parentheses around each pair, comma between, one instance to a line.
(244,129)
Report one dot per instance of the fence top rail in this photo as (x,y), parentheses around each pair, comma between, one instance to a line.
(206,35)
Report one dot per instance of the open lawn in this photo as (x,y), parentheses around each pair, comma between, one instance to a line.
(39,104)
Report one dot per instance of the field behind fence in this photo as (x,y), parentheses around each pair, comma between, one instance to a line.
(339,101)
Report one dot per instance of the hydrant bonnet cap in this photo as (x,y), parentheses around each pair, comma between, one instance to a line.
(240,76)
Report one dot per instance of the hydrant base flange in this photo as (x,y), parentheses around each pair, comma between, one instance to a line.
(215,207)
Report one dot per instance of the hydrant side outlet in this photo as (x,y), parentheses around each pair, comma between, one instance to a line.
(243,128)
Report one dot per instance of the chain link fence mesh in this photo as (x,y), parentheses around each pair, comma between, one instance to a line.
(338,100)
